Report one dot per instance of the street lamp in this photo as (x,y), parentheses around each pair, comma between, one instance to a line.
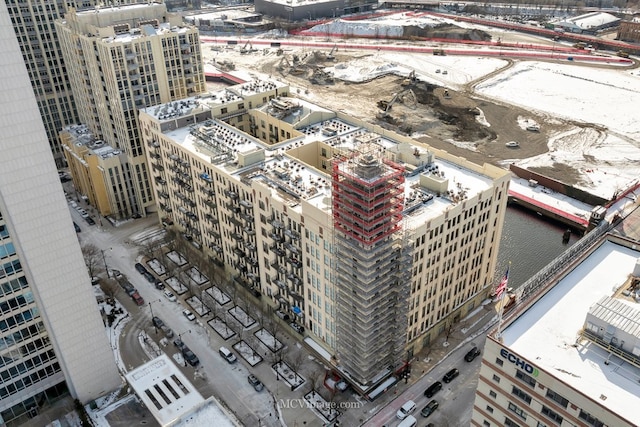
(151,309)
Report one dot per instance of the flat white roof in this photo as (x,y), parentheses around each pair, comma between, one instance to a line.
(165,391)
(559,315)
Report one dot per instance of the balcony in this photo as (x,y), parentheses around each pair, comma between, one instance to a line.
(236,236)
(160,181)
(231,194)
(206,177)
(247,204)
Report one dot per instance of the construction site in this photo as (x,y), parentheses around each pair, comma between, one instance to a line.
(432,94)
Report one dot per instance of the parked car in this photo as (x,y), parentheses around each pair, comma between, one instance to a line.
(189,315)
(128,288)
(157,322)
(116,274)
(255,382)
(178,343)
(77,227)
(150,278)
(168,332)
(429,409)
(90,220)
(141,268)
(190,356)
(472,354)
(170,296)
(299,329)
(227,355)
(406,409)
(159,285)
(433,389)
(449,376)
(137,298)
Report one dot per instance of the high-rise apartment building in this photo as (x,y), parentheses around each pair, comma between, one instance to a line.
(570,355)
(52,338)
(120,59)
(370,241)
(33,22)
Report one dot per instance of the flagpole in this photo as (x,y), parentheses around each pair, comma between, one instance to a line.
(498,334)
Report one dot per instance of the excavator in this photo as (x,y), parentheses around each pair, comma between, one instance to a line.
(330,56)
(247,48)
(407,97)
(410,80)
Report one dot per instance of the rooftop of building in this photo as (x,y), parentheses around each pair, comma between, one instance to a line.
(592,20)
(432,185)
(595,285)
(223,15)
(205,101)
(83,136)
(171,398)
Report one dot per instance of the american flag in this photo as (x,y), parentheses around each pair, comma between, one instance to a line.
(503,284)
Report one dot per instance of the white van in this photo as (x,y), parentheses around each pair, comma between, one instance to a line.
(406,409)
(410,421)
(227,355)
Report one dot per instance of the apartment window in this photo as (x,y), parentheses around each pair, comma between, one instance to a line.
(527,379)
(557,398)
(499,362)
(489,409)
(496,378)
(492,394)
(541,424)
(510,423)
(552,415)
(590,419)
(519,412)
(486,423)
(521,394)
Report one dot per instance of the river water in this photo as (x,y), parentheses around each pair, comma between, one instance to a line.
(530,242)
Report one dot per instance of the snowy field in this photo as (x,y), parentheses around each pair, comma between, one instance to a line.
(604,146)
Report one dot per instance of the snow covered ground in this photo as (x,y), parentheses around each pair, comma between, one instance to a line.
(605,144)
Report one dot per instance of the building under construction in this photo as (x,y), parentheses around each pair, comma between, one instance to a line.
(369,243)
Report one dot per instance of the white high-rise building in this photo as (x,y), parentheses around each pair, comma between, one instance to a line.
(52,339)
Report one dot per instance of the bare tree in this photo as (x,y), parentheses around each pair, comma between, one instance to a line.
(317,376)
(93,258)
(110,287)
(295,359)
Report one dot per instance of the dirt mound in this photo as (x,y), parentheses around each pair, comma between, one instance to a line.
(446,31)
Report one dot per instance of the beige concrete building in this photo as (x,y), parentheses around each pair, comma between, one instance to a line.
(368,240)
(99,170)
(120,59)
(569,356)
(52,339)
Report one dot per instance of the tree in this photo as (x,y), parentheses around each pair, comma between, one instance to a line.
(295,359)
(93,258)
(110,287)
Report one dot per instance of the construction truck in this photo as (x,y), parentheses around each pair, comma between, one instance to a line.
(247,48)
(580,45)
(439,52)
(622,54)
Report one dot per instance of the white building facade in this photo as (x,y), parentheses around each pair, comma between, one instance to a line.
(52,338)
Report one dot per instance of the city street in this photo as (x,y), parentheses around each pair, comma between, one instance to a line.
(122,248)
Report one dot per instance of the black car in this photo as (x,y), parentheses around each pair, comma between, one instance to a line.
(157,322)
(129,288)
(190,356)
(77,227)
(90,220)
(159,285)
(449,376)
(149,277)
(255,382)
(141,268)
(472,354)
(429,409)
(433,389)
